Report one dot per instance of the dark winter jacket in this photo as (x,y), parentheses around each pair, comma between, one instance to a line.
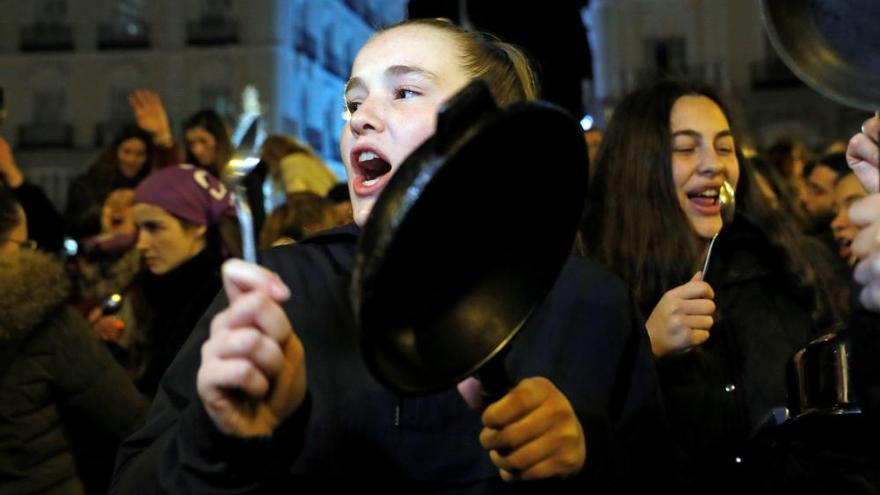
(172,304)
(58,384)
(353,432)
(719,393)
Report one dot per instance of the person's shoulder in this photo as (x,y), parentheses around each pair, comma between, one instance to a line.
(338,245)
(588,277)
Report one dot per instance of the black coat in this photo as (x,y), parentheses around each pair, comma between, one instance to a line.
(352,431)
(58,384)
(171,305)
(720,393)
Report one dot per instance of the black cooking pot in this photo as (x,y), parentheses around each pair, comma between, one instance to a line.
(832,45)
(820,378)
(467,238)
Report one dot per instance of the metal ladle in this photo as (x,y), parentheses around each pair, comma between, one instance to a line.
(727,200)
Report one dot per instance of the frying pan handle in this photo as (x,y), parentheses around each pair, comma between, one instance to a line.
(469,105)
(494,380)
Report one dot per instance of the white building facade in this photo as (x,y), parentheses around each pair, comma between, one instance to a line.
(68,66)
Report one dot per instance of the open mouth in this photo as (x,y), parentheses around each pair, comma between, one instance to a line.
(707,197)
(705,201)
(843,247)
(371,170)
(843,243)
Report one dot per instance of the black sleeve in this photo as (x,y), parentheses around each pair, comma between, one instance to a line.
(595,337)
(180,450)
(91,385)
(43,221)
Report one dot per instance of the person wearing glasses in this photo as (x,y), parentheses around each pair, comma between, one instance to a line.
(44,222)
(60,389)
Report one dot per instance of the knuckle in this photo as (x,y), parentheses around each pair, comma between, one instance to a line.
(244,373)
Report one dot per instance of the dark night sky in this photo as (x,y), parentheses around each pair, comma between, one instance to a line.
(552,34)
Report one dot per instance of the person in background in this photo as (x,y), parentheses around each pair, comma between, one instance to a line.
(65,405)
(341,200)
(123,163)
(302,215)
(295,166)
(721,338)
(44,222)
(206,136)
(178,211)
(846,191)
(105,268)
(788,157)
(817,195)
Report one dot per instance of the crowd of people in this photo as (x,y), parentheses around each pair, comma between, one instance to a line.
(645,367)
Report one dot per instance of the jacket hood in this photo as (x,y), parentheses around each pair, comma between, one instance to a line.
(32,285)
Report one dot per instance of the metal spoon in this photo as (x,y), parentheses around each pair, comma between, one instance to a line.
(244,159)
(727,200)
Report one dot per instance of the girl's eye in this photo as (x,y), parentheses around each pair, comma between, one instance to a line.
(405,94)
(684,150)
(350,108)
(150,226)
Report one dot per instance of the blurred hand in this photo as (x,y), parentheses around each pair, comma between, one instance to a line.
(9,171)
(866,247)
(253,374)
(106,328)
(150,115)
(862,154)
(533,433)
(682,318)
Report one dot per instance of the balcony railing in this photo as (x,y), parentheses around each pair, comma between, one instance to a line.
(212,31)
(46,37)
(45,135)
(123,35)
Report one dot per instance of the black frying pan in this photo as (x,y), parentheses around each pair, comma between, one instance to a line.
(832,45)
(466,239)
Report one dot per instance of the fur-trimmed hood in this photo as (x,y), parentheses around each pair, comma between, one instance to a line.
(32,285)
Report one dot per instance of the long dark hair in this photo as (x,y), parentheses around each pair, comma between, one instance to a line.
(105,170)
(210,121)
(633,222)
